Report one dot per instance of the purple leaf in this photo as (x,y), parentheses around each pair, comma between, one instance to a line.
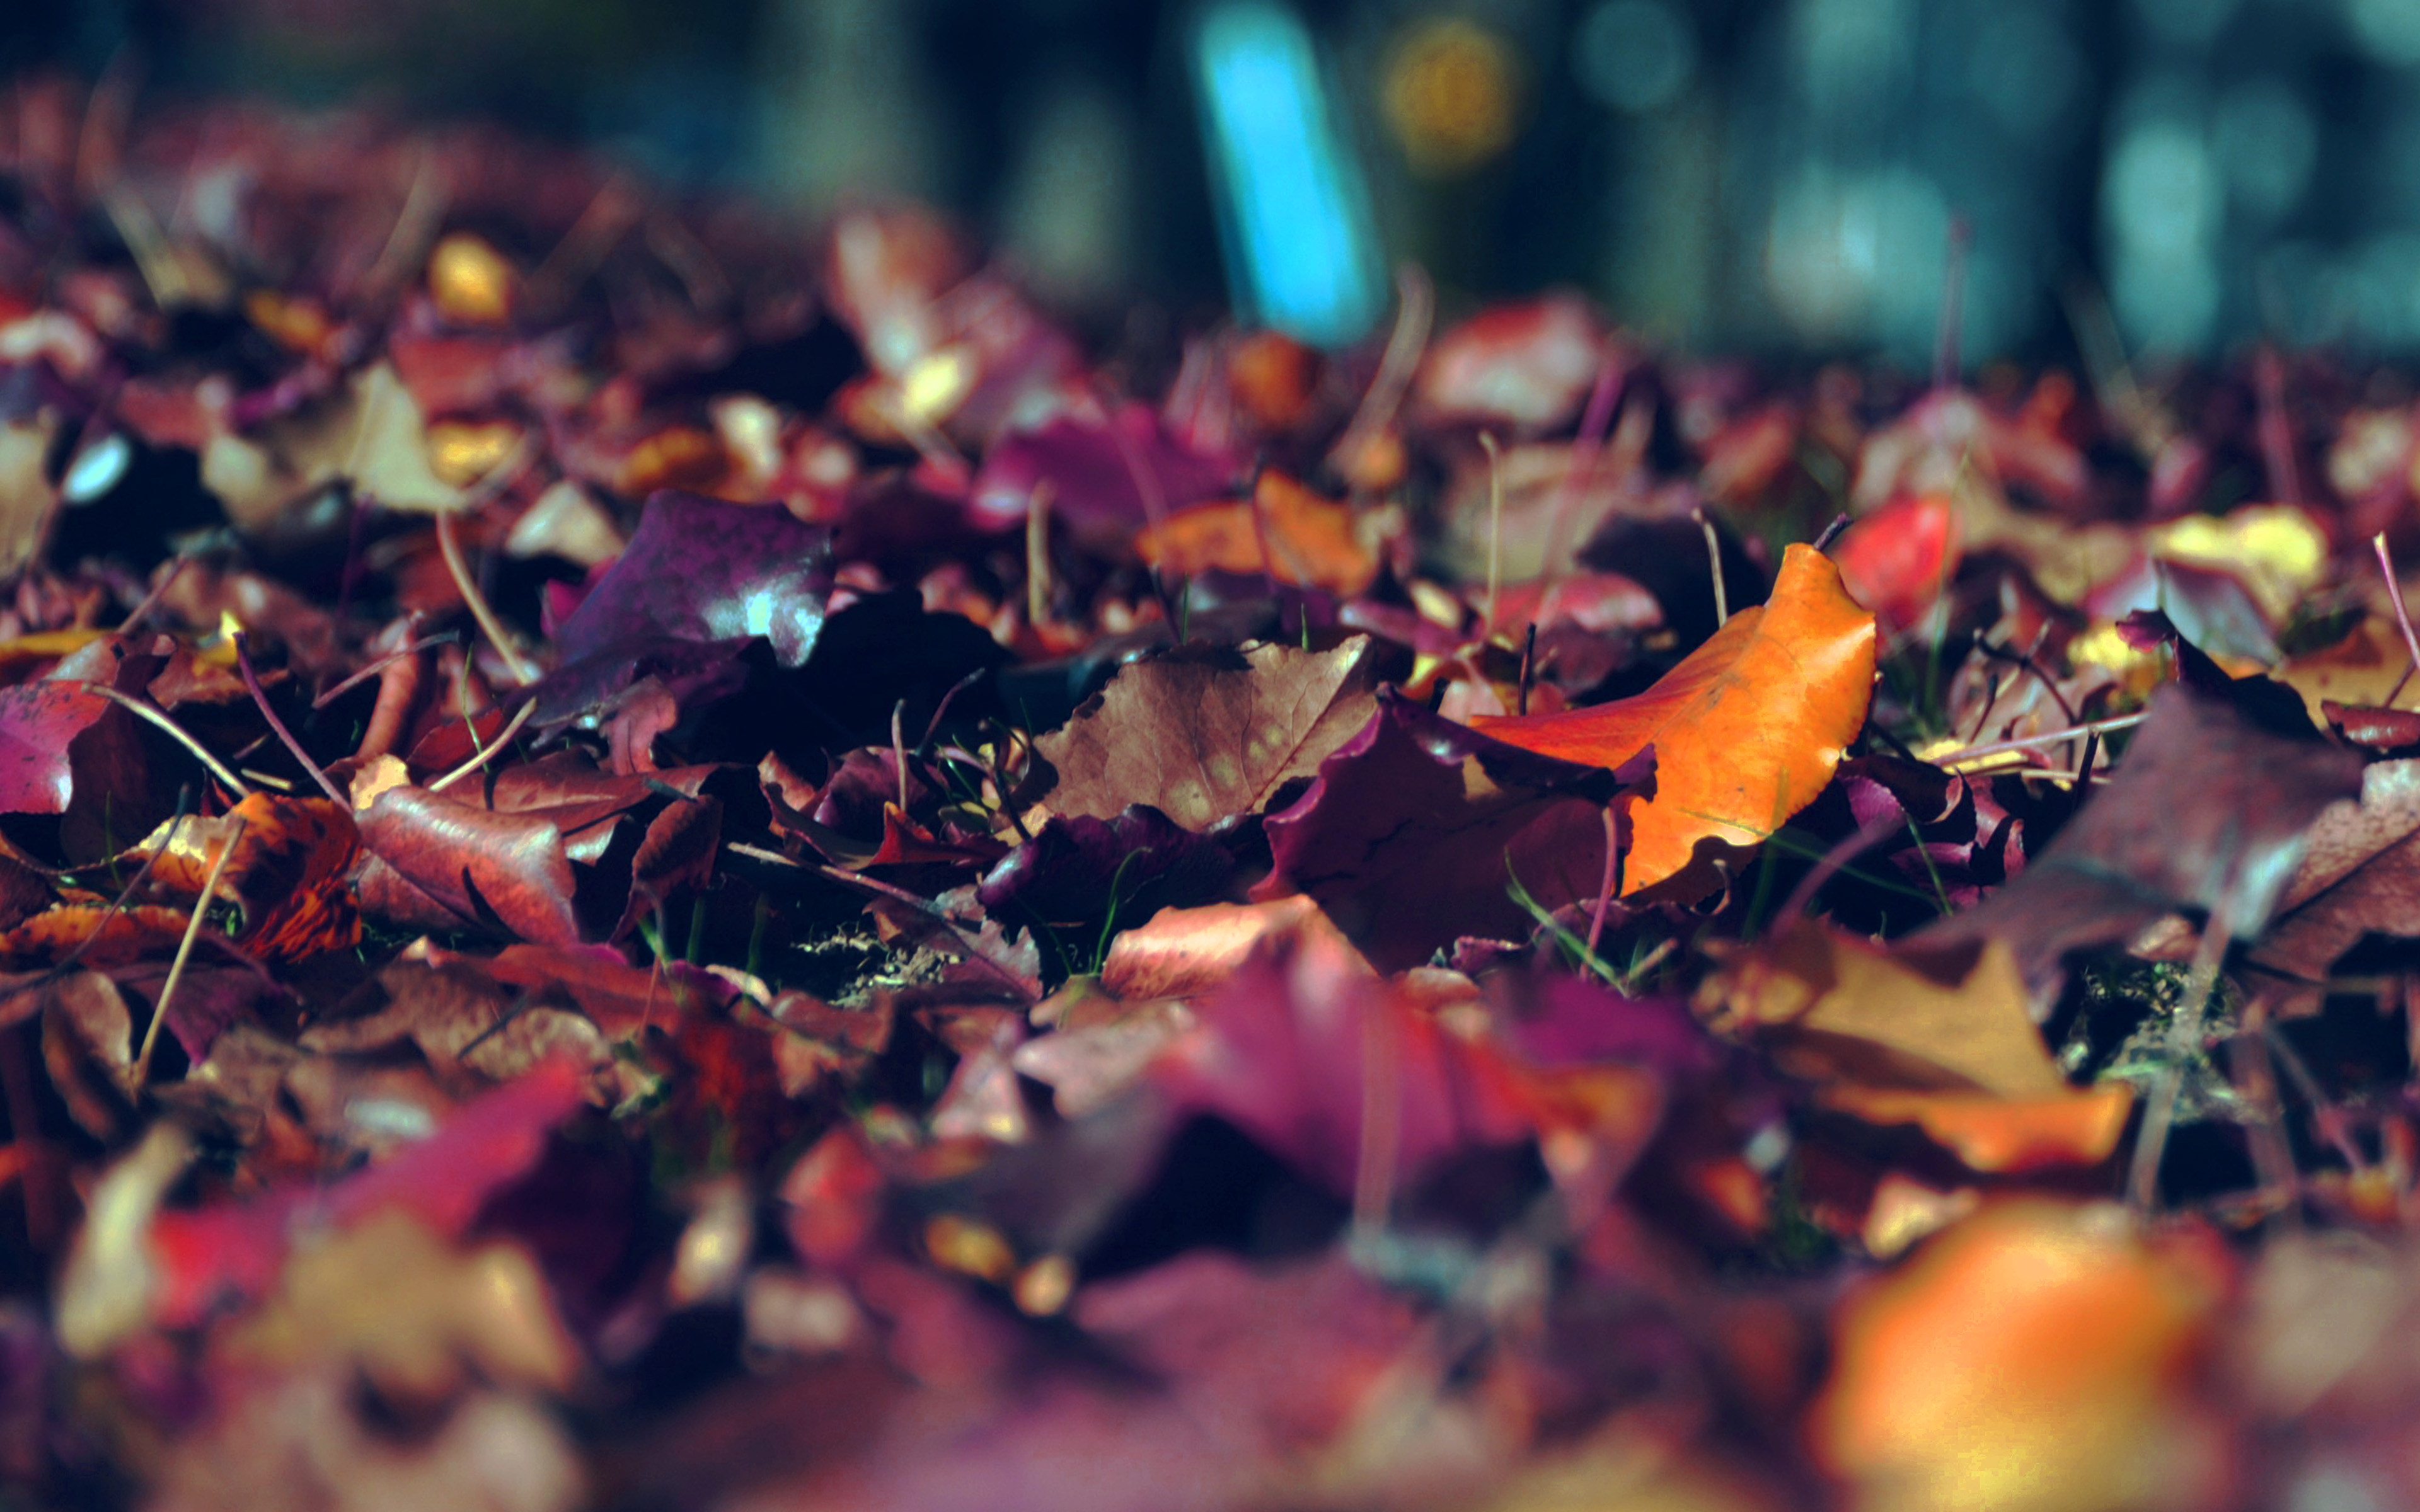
(1090,467)
(1404,836)
(698,572)
(1080,869)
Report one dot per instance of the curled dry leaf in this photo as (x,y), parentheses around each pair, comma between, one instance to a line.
(1745,732)
(2359,875)
(482,867)
(287,875)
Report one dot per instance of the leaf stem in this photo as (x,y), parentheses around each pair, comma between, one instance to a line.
(1953,758)
(476,602)
(142,1071)
(2402,615)
(277,726)
(176,732)
(488,753)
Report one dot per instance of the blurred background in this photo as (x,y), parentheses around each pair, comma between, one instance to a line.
(1769,176)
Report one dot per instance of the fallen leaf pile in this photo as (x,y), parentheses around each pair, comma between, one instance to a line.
(656,858)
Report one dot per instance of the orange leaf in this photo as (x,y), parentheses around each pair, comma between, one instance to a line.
(1746,731)
(1316,542)
(127,935)
(1993,1134)
(2031,1359)
(288,872)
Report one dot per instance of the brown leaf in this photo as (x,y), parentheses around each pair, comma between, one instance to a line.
(27,497)
(2360,876)
(481,865)
(2208,809)
(1997,1133)
(1205,733)
(116,938)
(392,1300)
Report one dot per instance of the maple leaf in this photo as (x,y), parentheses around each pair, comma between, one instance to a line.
(1745,732)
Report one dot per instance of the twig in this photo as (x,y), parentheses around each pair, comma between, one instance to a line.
(150,600)
(1529,660)
(1155,507)
(1715,560)
(973,945)
(758,853)
(1612,880)
(142,1071)
(2325,1117)
(478,602)
(1832,532)
(277,726)
(2184,1038)
(2275,427)
(1382,1116)
(146,712)
(1037,555)
(486,754)
(2025,660)
(1578,471)
(1954,758)
(1495,530)
(1953,292)
(2402,615)
(1415,308)
(1991,702)
(1872,832)
(425,644)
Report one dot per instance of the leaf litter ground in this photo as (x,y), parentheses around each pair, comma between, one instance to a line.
(651,858)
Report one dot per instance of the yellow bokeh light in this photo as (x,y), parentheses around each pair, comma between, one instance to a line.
(1451,95)
(470,282)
